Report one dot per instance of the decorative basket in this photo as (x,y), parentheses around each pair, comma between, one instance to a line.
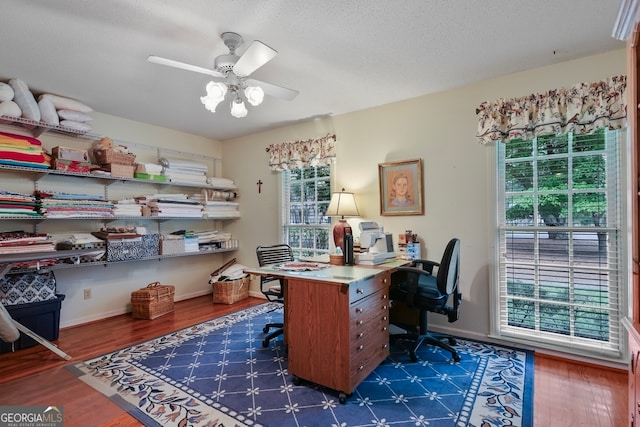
(153,301)
(104,157)
(228,292)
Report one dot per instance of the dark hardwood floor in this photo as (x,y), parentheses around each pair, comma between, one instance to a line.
(566,393)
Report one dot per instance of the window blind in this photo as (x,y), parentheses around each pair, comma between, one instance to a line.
(560,242)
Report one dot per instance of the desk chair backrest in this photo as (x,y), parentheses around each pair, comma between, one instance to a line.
(274,254)
(449,270)
(271,255)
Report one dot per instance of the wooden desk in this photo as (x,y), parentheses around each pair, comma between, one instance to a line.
(336,322)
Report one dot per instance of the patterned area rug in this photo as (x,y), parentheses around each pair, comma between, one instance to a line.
(218,374)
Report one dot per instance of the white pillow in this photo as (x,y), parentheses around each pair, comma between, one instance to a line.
(62,103)
(79,126)
(48,112)
(76,116)
(10,108)
(6,93)
(25,100)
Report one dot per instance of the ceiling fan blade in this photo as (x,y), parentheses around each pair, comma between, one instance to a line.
(256,55)
(274,90)
(182,65)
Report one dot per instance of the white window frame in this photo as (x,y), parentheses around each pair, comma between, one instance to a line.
(325,226)
(615,348)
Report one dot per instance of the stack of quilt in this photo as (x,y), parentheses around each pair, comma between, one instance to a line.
(66,205)
(16,204)
(18,150)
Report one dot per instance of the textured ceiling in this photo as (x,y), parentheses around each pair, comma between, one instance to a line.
(341,55)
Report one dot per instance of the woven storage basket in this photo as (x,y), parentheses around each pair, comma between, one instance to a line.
(153,301)
(104,157)
(228,292)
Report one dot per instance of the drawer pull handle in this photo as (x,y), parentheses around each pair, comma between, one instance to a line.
(384,329)
(384,318)
(361,368)
(385,346)
(360,322)
(359,310)
(384,296)
(384,308)
(361,334)
(359,291)
(360,347)
(384,280)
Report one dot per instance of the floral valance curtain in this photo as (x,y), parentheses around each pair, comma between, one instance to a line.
(582,108)
(302,154)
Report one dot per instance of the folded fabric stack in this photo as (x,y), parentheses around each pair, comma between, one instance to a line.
(213,239)
(221,182)
(17,242)
(163,207)
(184,171)
(128,207)
(65,205)
(16,204)
(218,209)
(18,150)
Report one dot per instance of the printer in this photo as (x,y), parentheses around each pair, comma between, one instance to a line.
(379,243)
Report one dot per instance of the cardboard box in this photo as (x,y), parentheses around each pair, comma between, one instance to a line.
(43,318)
(145,246)
(121,171)
(72,154)
(71,166)
(151,177)
(170,246)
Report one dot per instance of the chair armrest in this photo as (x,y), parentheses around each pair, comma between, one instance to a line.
(425,264)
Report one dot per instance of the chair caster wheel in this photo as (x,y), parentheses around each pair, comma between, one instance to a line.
(265,329)
(452,341)
(456,357)
(414,357)
(265,343)
(296,381)
(342,397)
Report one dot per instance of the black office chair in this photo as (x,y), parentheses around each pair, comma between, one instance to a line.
(418,288)
(270,255)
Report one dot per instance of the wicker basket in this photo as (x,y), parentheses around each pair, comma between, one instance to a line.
(104,157)
(153,301)
(231,291)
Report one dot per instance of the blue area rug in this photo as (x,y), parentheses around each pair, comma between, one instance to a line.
(218,374)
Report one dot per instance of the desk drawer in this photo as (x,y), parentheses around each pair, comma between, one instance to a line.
(364,288)
(366,360)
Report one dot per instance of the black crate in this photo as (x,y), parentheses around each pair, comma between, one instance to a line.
(43,318)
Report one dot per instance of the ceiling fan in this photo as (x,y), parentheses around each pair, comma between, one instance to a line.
(231,74)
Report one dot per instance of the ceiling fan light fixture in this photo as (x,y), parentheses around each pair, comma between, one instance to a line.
(254,94)
(238,109)
(216,91)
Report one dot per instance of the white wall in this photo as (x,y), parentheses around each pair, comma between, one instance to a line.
(459,187)
(111,286)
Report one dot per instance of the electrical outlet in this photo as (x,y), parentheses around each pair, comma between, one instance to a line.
(87,293)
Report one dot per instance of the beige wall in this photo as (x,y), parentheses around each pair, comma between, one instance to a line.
(459,187)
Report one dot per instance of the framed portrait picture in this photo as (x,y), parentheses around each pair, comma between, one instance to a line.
(401,188)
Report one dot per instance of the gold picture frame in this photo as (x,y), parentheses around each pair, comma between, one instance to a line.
(401,188)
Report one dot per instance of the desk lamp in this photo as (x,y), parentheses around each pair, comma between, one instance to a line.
(342,204)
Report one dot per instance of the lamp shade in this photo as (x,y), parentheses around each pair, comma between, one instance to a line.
(342,204)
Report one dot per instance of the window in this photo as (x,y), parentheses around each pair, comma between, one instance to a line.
(559,228)
(306,194)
